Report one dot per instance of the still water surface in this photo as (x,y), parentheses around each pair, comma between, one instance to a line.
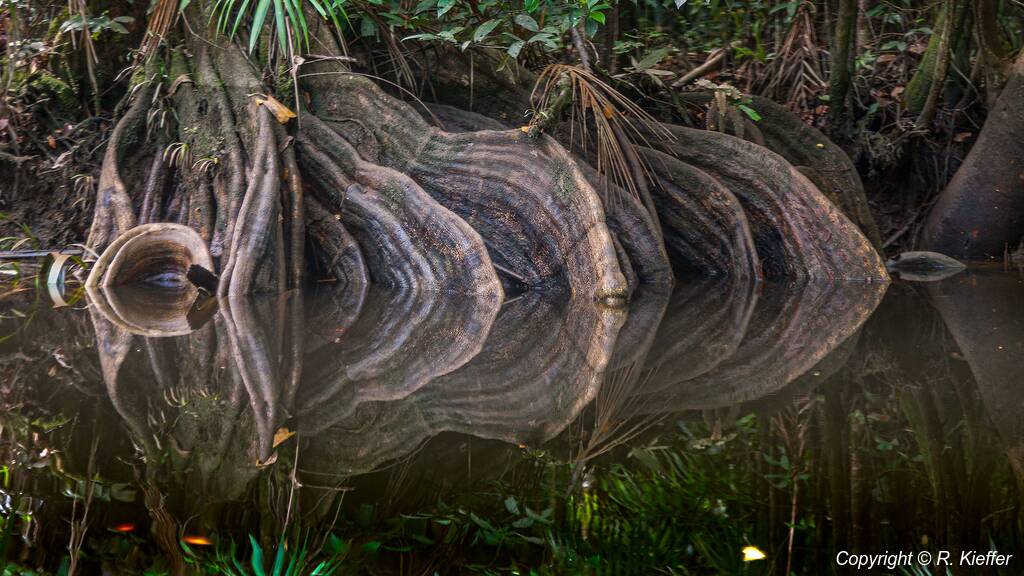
(402,433)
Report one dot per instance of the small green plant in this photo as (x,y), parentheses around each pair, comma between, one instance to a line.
(178,155)
(96,25)
(287,17)
(298,560)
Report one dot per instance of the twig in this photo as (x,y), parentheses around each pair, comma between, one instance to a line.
(715,59)
(27,254)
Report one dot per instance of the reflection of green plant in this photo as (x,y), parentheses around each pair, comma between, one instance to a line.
(669,509)
(229,560)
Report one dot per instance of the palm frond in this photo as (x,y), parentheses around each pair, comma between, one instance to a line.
(287,18)
(618,123)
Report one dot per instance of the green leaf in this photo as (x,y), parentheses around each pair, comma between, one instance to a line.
(238,21)
(527,22)
(597,17)
(485,29)
(523,523)
(279,559)
(257,557)
(532,5)
(512,505)
(515,48)
(367,27)
(750,112)
(336,545)
(282,38)
(257,22)
(481,522)
(372,547)
(652,58)
(443,6)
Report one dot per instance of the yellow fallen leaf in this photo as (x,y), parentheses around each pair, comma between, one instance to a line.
(750,553)
(608,111)
(281,435)
(280,111)
(525,129)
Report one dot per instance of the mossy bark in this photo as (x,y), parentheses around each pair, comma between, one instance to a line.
(843,52)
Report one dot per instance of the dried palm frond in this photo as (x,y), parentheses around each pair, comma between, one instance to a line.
(160,22)
(796,74)
(615,411)
(619,124)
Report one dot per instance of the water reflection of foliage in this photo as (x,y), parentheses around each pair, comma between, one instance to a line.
(885,443)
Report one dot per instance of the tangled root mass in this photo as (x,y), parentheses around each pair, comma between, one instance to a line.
(366,190)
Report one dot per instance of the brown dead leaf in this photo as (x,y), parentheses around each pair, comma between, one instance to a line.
(51,142)
(608,111)
(281,435)
(268,462)
(962,136)
(280,111)
(897,92)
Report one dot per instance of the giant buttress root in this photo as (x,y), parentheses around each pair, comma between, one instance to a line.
(705,227)
(542,221)
(797,231)
(642,255)
(408,240)
(812,153)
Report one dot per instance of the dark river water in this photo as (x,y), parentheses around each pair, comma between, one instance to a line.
(717,429)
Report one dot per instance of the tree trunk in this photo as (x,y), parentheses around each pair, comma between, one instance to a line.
(843,53)
(980,214)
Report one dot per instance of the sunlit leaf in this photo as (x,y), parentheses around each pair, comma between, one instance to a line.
(281,435)
(751,553)
(279,110)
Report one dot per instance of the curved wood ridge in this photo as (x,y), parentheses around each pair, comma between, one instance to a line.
(797,231)
(540,218)
(640,250)
(407,239)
